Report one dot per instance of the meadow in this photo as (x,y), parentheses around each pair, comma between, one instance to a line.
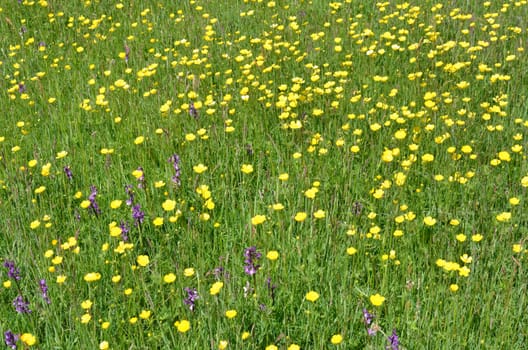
(263,174)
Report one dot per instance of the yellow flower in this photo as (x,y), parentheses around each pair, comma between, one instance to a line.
(272,255)
(28,339)
(245,335)
(230,313)
(143,260)
(139,140)
(300,216)
(188,272)
(116,203)
(157,221)
(319,214)
(294,347)
(351,250)
(285,177)
(517,248)
(61,279)
(477,237)
(377,299)
(182,326)
(85,204)
(461,237)
(145,314)
(311,192)
(92,276)
(336,339)
(247,168)
(453,288)
(169,278)
(258,219)
(200,168)
(312,296)
(216,287)
(429,221)
(34,224)
(61,154)
(86,318)
(87,304)
(272,347)
(222,344)
(169,205)
(104,345)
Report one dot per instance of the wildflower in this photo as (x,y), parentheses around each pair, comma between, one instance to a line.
(336,339)
(247,168)
(188,272)
(93,203)
(216,287)
(124,230)
(28,339)
(312,296)
(12,271)
(68,172)
(258,219)
(103,345)
(300,216)
(143,260)
(169,278)
(21,305)
(453,287)
(200,168)
(272,255)
(130,194)
(145,314)
(294,347)
(429,221)
(175,160)
(230,313)
(182,326)
(139,174)
(92,276)
(192,296)
(137,215)
(377,299)
(193,112)
(252,256)
(394,342)
(44,291)
(11,339)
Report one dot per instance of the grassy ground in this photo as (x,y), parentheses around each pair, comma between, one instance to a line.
(263,175)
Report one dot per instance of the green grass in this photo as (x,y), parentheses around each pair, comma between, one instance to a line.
(389,113)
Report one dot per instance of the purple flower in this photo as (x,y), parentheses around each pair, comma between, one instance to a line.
(141,179)
(11,339)
(130,194)
(127,53)
(21,88)
(68,172)
(12,271)
(192,111)
(192,296)
(394,341)
(367,317)
(137,215)
(93,203)
(175,160)
(44,291)
(252,256)
(271,289)
(124,230)
(21,306)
